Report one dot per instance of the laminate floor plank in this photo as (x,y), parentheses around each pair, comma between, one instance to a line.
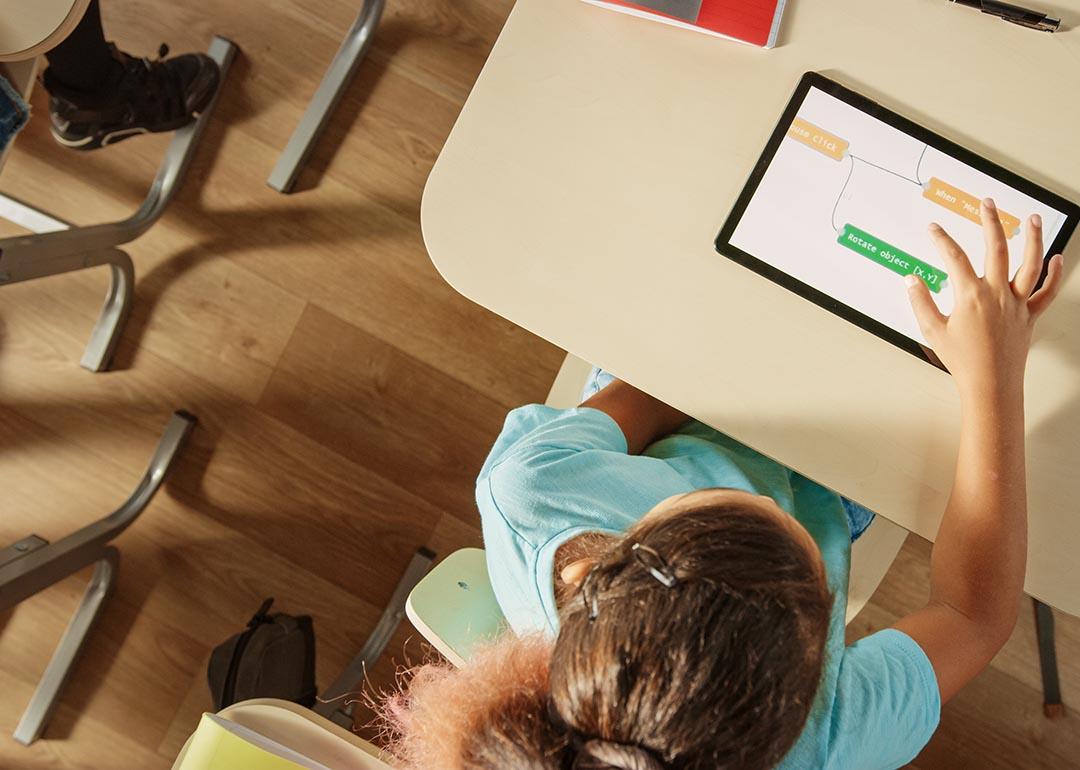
(388,411)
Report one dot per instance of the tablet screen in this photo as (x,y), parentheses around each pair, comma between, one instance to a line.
(838,208)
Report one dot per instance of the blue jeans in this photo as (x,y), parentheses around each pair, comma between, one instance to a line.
(859,518)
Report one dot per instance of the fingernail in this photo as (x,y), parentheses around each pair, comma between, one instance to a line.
(910,280)
(1036,220)
(989,203)
(933,227)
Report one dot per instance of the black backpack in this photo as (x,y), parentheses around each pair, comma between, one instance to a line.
(274,657)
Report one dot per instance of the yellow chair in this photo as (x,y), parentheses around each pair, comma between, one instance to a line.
(301,730)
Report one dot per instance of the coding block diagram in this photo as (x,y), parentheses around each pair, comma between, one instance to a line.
(846,201)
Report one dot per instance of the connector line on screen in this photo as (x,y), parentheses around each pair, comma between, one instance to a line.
(839,197)
(918,166)
(851,171)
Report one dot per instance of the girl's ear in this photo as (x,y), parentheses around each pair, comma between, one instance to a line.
(575,572)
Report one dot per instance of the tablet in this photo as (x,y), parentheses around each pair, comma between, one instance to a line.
(837,209)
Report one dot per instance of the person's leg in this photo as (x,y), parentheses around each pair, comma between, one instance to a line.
(84,61)
(116,95)
(859,517)
(597,380)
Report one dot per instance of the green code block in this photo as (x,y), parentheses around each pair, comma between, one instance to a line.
(889,256)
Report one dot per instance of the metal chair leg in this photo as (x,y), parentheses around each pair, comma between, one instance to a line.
(58,248)
(352,51)
(106,333)
(40,709)
(1053,708)
(33,564)
(331,703)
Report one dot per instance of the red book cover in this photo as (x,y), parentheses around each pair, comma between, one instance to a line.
(756,22)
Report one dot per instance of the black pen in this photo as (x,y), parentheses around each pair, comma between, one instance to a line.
(1025,17)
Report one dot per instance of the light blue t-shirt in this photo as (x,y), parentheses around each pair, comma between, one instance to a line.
(554,474)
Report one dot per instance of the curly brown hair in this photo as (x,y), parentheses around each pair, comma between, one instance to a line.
(696,642)
(717,670)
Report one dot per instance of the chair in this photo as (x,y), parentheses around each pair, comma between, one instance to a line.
(303,731)
(454,607)
(332,703)
(54,247)
(32,564)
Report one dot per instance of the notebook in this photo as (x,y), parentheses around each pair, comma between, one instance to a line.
(756,22)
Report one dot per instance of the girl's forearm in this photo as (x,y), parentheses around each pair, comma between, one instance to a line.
(980,556)
(642,418)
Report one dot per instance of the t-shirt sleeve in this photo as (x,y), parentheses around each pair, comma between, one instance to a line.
(887,703)
(554,474)
(573,472)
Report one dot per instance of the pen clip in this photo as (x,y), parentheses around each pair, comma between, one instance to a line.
(1045,25)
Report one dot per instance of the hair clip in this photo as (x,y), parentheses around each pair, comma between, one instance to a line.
(592,607)
(658,568)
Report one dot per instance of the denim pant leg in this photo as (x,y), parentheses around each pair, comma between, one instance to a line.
(597,380)
(859,517)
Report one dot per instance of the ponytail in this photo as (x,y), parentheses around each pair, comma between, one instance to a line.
(608,755)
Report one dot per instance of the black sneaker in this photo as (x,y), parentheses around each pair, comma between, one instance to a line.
(145,97)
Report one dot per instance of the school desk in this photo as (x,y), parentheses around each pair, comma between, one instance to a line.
(598,154)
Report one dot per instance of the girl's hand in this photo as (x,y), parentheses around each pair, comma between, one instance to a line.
(984,343)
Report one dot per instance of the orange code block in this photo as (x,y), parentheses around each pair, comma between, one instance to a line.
(967,206)
(817,138)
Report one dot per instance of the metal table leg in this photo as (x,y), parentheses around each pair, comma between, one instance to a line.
(333,704)
(33,564)
(57,248)
(1053,708)
(333,85)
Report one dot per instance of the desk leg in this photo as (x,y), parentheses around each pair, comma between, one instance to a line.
(1053,708)
(333,85)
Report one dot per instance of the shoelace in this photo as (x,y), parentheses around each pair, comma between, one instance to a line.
(153,88)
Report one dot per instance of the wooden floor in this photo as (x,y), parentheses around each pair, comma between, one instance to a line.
(346,394)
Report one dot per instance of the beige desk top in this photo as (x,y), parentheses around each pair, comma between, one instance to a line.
(597,156)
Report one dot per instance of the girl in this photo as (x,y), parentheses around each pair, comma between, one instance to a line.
(695,590)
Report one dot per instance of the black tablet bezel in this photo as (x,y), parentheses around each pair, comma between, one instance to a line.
(938,142)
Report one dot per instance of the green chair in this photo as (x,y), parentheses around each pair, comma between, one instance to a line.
(454,607)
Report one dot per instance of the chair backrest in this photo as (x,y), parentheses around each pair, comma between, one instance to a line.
(303,731)
(454,607)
